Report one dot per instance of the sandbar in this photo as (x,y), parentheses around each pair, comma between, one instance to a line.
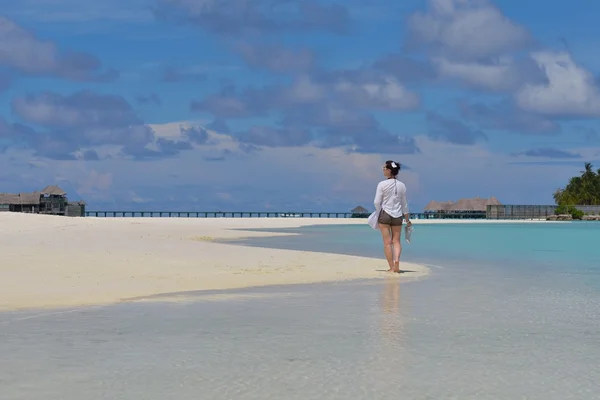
(54,262)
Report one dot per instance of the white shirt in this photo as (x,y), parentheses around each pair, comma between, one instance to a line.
(391,197)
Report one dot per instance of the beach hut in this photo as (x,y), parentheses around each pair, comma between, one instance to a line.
(75,209)
(53,191)
(432,206)
(437,207)
(463,208)
(7,200)
(20,202)
(360,212)
(53,200)
(50,200)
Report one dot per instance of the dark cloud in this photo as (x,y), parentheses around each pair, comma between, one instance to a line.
(548,152)
(152,98)
(276,58)
(219,125)
(234,18)
(173,75)
(335,126)
(493,75)
(67,127)
(249,148)
(505,116)
(83,109)
(405,69)
(489,74)
(452,131)
(367,88)
(357,89)
(197,135)
(173,147)
(233,103)
(327,109)
(91,155)
(213,159)
(22,51)
(322,128)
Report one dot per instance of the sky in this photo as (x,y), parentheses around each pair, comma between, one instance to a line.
(289,105)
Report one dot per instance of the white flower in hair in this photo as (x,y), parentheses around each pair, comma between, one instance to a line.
(394,165)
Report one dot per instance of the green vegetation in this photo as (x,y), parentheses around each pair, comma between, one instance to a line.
(581,190)
(564,209)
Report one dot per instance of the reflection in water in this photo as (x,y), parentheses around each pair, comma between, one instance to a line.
(389,353)
(391,318)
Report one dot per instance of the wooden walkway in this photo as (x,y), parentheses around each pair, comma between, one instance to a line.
(263,214)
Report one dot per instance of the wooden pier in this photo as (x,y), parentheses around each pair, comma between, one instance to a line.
(264,214)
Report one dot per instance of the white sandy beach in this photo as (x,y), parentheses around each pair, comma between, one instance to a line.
(56,262)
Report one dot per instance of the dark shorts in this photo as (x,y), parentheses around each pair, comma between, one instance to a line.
(386,219)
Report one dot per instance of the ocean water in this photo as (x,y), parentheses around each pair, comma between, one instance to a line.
(509,312)
(568,250)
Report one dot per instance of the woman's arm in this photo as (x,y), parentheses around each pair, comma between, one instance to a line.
(404,204)
(378,197)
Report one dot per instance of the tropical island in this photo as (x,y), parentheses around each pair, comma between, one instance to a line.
(580,193)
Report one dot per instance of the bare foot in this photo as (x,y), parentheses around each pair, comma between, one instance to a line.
(397,267)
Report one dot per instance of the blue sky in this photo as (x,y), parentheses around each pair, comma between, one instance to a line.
(294,105)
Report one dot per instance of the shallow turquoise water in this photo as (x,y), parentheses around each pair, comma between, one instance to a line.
(509,312)
(564,250)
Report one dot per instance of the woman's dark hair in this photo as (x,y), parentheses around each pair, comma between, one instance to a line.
(393,166)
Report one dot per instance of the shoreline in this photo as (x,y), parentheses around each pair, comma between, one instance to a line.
(55,262)
(293,222)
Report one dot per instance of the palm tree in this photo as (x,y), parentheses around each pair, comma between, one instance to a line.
(581,190)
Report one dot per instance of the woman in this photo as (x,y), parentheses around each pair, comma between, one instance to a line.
(390,208)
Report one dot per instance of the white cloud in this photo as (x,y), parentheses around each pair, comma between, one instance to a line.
(289,178)
(276,58)
(304,90)
(172,130)
(386,93)
(502,75)
(467,30)
(570,91)
(379,92)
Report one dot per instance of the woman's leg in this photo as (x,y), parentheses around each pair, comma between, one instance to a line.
(387,244)
(397,246)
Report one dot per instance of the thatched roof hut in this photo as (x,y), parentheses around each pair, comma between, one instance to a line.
(492,201)
(462,205)
(53,191)
(359,210)
(437,205)
(20,198)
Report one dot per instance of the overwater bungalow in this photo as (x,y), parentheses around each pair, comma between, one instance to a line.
(359,212)
(463,208)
